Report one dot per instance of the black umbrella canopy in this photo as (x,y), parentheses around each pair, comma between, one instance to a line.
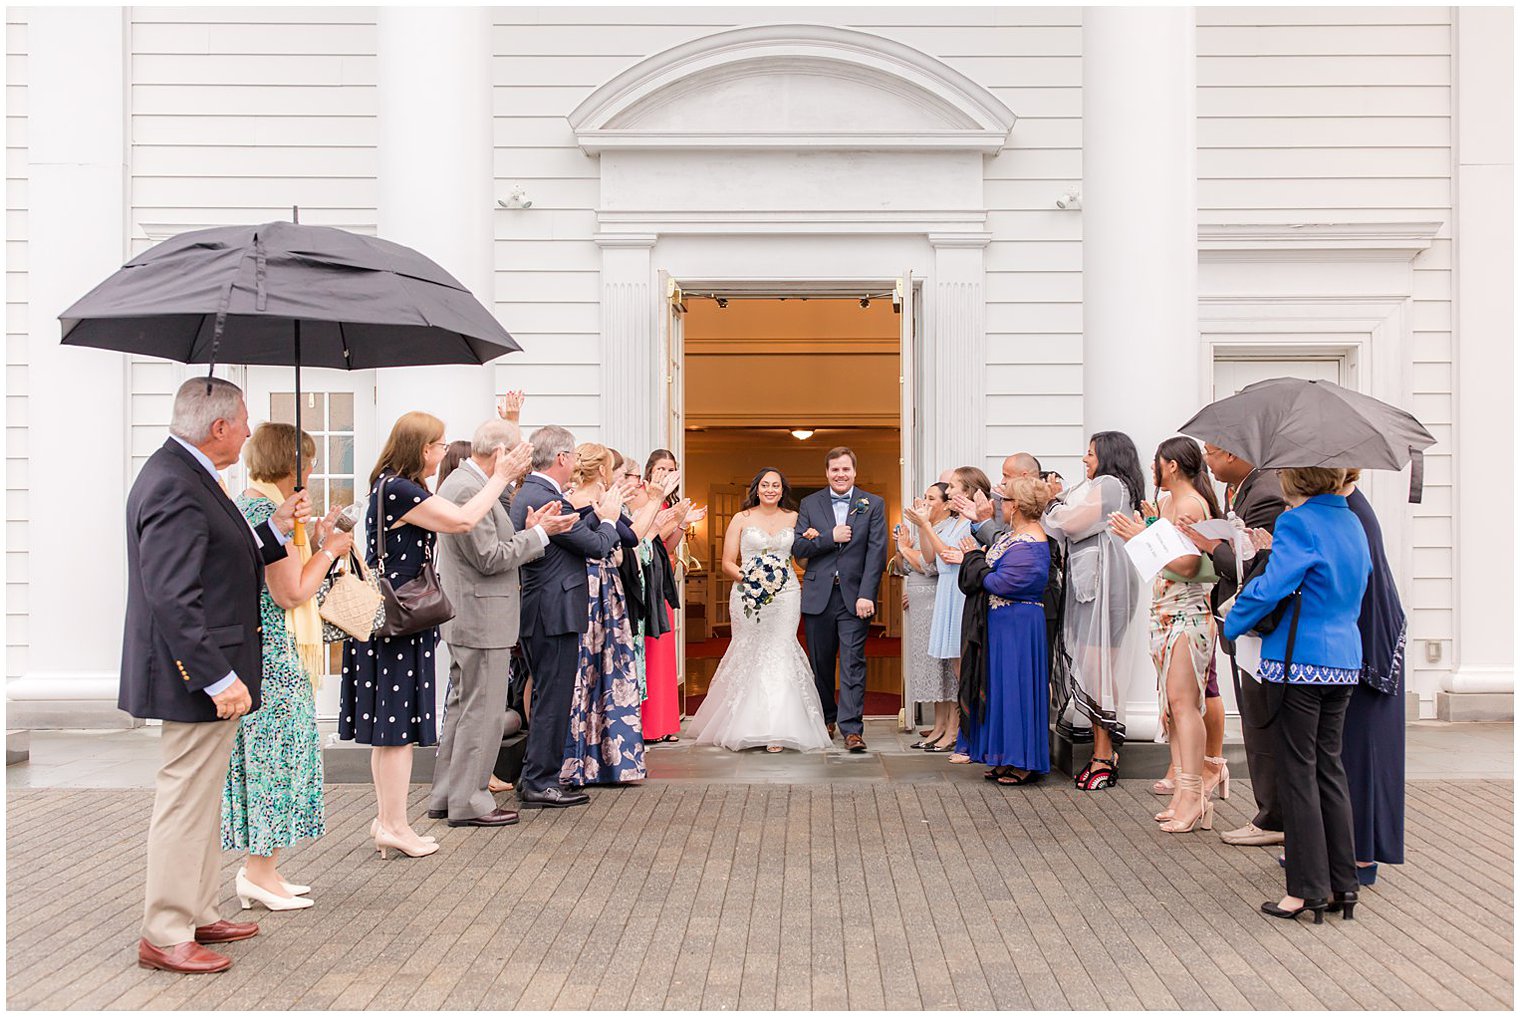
(1287,422)
(286,294)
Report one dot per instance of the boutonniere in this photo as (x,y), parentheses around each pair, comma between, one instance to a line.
(861,504)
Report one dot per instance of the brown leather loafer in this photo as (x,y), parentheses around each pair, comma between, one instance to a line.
(496,817)
(181,958)
(854,743)
(223,931)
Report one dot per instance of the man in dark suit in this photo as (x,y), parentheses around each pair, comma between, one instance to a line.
(1257,501)
(842,532)
(555,598)
(192,658)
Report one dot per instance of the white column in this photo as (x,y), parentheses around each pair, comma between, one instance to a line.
(77,214)
(632,365)
(955,360)
(1141,358)
(1485,353)
(436,184)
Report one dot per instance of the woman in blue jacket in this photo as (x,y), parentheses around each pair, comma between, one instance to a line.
(1314,654)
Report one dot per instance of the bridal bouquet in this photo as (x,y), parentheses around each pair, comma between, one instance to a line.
(764,577)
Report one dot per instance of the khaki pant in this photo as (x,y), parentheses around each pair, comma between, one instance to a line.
(185,837)
(476,717)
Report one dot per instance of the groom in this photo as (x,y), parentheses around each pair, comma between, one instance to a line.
(843,536)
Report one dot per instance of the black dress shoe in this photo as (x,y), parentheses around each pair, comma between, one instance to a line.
(496,817)
(555,797)
(438,813)
(1314,905)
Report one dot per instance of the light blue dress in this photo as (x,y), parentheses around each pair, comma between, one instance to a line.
(949,601)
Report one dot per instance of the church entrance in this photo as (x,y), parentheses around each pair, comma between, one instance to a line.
(776,379)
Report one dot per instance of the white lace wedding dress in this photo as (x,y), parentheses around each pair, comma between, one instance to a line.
(763,692)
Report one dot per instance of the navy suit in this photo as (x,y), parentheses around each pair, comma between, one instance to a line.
(194,575)
(837,575)
(555,611)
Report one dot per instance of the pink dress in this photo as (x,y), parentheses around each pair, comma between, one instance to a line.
(662,707)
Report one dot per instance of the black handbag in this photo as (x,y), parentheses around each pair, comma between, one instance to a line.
(417,604)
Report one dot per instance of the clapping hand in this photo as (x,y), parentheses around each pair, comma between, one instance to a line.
(917,513)
(1125,527)
(610,506)
(512,463)
(969,544)
(1261,539)
(509,406)
(1204,544)
(696,515)
(981,507)
(669,483)
(1148,510)
(551,518)
(952,555)
(297,506)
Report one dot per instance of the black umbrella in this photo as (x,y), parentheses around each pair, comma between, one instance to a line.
(1286,422)
(286,294)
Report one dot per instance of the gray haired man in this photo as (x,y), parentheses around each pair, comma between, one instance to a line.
(480,573)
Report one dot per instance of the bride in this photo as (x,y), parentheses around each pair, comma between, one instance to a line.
(763,691)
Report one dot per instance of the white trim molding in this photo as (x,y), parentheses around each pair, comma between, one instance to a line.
(637,108)
(1360,241)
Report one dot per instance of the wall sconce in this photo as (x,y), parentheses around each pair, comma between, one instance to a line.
(802,434)
(517,199)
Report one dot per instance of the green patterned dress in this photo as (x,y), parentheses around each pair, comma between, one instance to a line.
(273,794)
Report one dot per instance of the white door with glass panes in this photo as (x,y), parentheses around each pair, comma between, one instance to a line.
(338,411)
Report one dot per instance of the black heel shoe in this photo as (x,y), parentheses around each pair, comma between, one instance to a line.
(1316,905)
(1345,903)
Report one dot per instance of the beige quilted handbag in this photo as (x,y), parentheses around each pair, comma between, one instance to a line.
(350,603)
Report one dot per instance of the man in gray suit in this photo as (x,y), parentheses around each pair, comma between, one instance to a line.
(479,572)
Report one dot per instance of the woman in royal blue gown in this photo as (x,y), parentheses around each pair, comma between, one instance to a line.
(1005,666)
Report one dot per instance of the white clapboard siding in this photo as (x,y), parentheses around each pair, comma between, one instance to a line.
(548,59)
(238,114)
(1342,115)
(16,542)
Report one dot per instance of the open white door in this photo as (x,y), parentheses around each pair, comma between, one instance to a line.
(672,350)
(903,301)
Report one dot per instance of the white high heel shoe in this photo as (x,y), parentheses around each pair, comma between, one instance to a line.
(249,891)
(295,889)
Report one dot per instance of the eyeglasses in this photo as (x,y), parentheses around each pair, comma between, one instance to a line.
(438,444)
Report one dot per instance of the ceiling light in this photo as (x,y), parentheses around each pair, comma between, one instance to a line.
(865,301)
(722,302)
(802,434)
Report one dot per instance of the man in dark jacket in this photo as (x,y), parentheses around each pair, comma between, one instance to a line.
(1256,499)
(192,658)
(555,597)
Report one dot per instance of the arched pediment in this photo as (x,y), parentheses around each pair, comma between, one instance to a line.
(792,86)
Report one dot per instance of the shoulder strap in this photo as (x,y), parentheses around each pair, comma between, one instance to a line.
(1298,602)
(380,527)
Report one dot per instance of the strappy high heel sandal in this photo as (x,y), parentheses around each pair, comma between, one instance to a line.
(1220,781)
(1100,774)
(1190,787)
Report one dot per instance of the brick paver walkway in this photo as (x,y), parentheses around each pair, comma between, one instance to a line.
(725,896)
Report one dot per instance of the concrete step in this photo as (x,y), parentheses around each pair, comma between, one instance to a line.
(18,747)
(1475,707)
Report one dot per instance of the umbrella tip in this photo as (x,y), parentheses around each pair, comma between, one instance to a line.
(295,214)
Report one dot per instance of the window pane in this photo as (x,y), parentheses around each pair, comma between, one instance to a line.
(340,491)
(282,407)
(341,454)
(313,411)
(340,407)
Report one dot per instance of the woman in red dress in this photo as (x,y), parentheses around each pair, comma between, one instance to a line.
(662,707)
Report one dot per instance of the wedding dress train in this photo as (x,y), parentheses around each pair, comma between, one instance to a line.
(763,691)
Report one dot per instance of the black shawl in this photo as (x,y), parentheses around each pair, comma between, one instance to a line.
(973,690)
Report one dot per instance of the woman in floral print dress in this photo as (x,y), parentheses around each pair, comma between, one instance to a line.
(273,793)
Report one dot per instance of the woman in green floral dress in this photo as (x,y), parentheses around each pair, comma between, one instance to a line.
(273,794)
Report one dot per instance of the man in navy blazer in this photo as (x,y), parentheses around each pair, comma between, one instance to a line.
(842,532)
(192,657)
(555,604)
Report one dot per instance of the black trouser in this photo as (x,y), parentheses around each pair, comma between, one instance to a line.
(552,661)
(1316,804)
(838,628)
(1258,703)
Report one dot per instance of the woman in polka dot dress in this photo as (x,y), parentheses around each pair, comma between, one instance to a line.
(390,689)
